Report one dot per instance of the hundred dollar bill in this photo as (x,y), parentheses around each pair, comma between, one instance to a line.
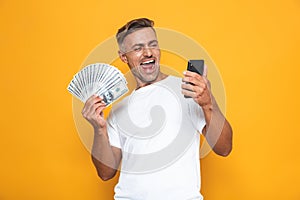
(114,93)
(101,79)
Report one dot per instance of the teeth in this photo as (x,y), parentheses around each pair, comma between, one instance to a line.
(147,62)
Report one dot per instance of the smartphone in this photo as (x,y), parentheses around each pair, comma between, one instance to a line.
(195,66)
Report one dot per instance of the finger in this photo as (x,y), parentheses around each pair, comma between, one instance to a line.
(187,86)
(191,87)
(90,102)
(205,71)
(191,74)
(91,97)
(96,106)
(94,99)
(198,91)
(198,81)
(207,82)
(188,93)
(87,103)
(99,110)
(92,114)
(90,111)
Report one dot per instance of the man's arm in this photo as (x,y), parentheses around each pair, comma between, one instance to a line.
(217,130)
(105,157)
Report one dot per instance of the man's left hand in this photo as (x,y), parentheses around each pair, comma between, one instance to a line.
(199,90)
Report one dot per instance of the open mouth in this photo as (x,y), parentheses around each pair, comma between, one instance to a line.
(148,63)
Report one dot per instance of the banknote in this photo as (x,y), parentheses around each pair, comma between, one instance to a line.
(101,79)
(114,93)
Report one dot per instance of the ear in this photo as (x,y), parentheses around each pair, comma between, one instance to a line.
(123,57)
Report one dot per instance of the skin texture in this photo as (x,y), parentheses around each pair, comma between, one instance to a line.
(141,46)
(138,47)
(217,130)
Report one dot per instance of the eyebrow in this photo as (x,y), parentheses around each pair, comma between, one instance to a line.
(142,44)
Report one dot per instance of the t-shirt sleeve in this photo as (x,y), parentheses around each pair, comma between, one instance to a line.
(112,131)
(197,116)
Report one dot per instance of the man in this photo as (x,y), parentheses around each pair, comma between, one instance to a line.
(160,150)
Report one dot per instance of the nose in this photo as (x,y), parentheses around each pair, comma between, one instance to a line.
(147,52)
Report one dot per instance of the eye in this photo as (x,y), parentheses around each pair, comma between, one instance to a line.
(154,45)
(137,49)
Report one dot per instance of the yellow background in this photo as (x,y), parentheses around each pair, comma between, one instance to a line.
(255,45)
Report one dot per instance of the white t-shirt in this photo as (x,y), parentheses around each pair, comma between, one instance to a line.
(157,130)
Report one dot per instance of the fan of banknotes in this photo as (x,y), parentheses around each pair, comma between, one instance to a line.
(100,79)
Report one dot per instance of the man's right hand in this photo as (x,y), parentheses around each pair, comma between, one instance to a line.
(106,158)
(93,112)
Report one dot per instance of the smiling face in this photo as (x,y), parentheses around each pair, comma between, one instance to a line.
(141,52)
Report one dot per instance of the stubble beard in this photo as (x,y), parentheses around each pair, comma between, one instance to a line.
(145,78)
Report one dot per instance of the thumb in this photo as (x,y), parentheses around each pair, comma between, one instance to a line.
(205,71)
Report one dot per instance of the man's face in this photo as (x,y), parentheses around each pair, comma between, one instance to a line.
(142,54)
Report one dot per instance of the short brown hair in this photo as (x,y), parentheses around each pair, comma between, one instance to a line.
(133,26)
